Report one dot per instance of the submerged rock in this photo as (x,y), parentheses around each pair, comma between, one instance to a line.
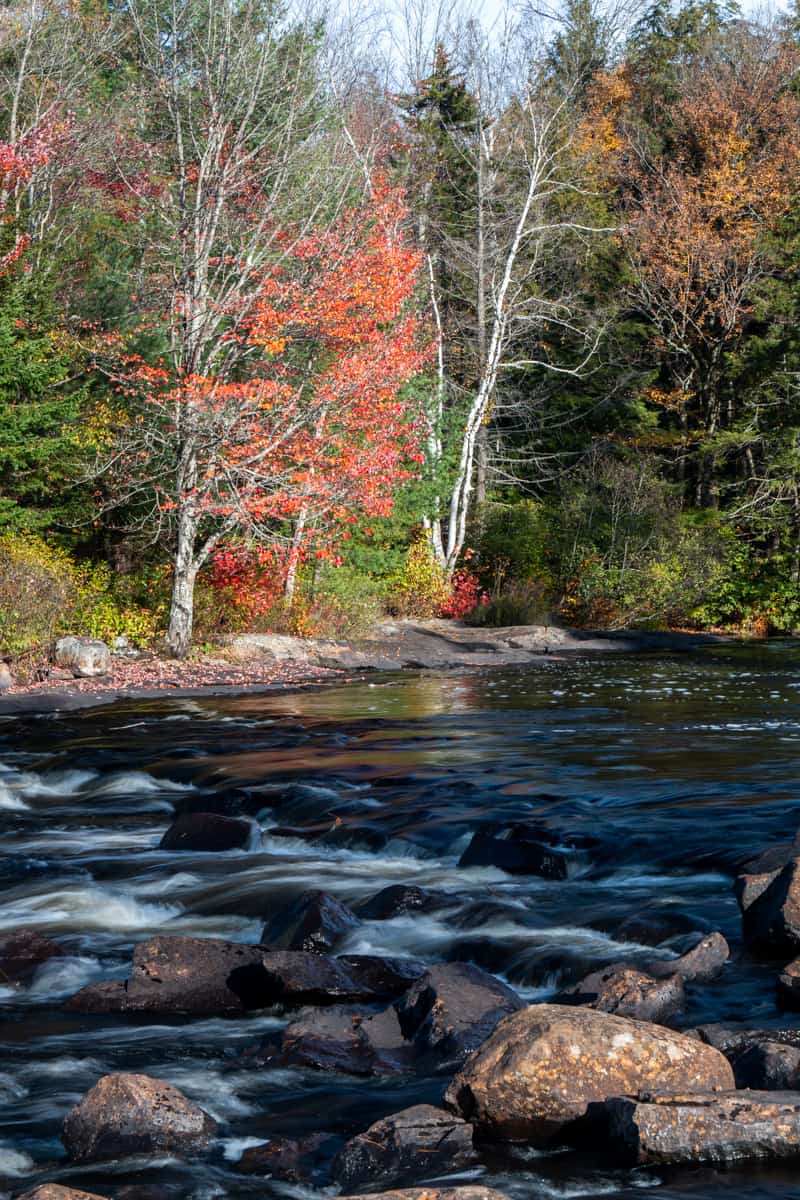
(452,1009)
(629,992)
(397,900)
(207,831)
(417,1143)
(293,1160)
(352,1041)
(22,951)
(723,1128)
(514,854)
(543,1067)
(770,906)
(313,921)
(135,1114)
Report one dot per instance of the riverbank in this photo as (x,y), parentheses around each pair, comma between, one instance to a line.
(254,663)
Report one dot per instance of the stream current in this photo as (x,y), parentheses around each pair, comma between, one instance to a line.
(673,769)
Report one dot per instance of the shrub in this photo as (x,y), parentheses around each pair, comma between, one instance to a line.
(345,604)
(520,602)
(466,594)
(421,588)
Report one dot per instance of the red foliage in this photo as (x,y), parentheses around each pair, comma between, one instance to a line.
(249,578)
(466,593)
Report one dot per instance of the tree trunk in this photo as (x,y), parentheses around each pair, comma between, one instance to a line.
(181,608)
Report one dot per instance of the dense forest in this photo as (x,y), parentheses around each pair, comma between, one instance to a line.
(299,323)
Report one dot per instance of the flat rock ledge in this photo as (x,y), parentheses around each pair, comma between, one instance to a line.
(439,644)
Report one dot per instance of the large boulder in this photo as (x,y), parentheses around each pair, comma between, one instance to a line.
(515,854)
(183,975)
(22,951)
(399,899)
(723,1128)
(417,1143)
(207,831)
(625,990)
(452,1009)
(770,906)
(350,1041)
(543,1067)
(57,1191)
(313,921)
(134,1114)
(84,657)
(763,1059)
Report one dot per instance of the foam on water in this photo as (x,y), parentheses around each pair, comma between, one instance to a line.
(234,1148)
(63,976)
(140,783)
(14,1164)
(81,908)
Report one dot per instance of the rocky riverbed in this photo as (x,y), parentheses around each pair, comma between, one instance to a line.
(462,935)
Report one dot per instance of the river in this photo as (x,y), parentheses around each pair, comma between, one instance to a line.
(671,770)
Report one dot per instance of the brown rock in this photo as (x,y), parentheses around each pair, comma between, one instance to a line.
(134,1114)
(301,977)
(788,985)
(22,951)
(351,1041)
(452,1009)
(416,1143)
(721,1128)
(629,992)
(542,1068)
(701,964)
(474,1192)
(57,1191)
(314,921)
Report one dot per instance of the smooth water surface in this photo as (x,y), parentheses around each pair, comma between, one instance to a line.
(671,770)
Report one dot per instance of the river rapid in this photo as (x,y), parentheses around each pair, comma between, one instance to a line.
(673,769)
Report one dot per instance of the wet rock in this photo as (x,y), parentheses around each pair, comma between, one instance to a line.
(629,992)
(347,836)
(653,926)
(543,1067)
(300,977)
(722,1128)
(84,657)
(183,975)
(22,951)
(788,986)
(771,913)
(313,921)
(135,1114)
(293,1160)
(767,1066)
(350,1041)
(703,963)
(416,1143)
(773,859)
(452,1009)
(471,1192)
(384,977)
(517,856)
(57,1191)
(748,888)
(207,831)
(397,900)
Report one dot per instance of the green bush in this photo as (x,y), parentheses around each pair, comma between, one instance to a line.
(421,587)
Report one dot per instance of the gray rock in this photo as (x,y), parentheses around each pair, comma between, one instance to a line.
(57,1191)
(724,1128)
(417,1143)
(135,1114)
(6,678)
(84,657)
(701,964)
(348,1041)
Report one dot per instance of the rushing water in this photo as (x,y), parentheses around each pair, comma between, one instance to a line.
(674,770)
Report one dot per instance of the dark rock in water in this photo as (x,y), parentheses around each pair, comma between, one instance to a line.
(516,856)
(416,1143)
(22,951)
(398,899)
(724,1128)
(452,1009)
(774,858)
(788,986)
(701,964)
(625,990)
(313,921)
(299,977)
(653,926)
(353,836)
(470,1192)
(57,1191)
(767,1066)
(543,1067)
(183,975)
(771,914)
(135,1114)
(293,1160)
(385,977)
(207,831)
(350,1041)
